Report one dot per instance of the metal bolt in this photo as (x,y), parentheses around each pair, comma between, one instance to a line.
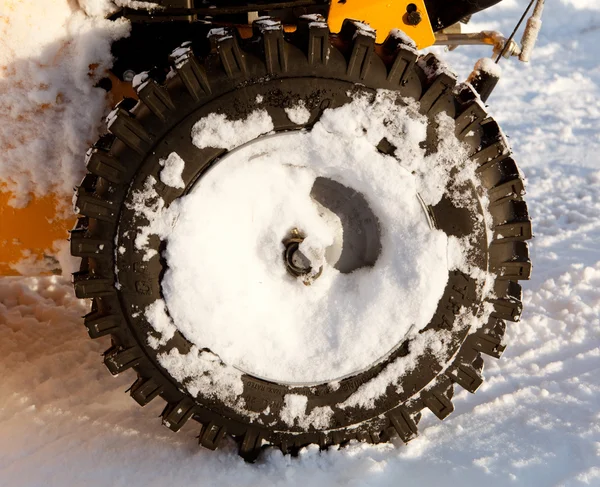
(296,263)
(413,16)
(128,75)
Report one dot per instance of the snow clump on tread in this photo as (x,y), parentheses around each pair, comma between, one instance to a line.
(216,131)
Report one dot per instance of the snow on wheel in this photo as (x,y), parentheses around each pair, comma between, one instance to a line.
(295,245)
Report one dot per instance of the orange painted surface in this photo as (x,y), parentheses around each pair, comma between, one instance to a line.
(383,16)
(120,89)
(30,231)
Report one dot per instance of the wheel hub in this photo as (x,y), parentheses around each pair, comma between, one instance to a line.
(326,279)
(296,263)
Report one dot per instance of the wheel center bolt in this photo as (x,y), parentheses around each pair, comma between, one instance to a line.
(296,263)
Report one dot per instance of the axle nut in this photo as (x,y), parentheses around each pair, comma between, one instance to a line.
(413,16)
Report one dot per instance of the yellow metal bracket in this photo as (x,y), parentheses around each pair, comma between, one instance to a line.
(409,16)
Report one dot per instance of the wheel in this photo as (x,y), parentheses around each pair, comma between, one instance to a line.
(169,191)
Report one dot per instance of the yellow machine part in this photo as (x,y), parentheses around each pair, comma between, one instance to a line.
(28,234)
(383,16)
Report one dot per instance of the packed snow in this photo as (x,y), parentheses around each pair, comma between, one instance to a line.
(534,422)
(215,130)
(172,170)
(294,412)
(298,113)
(257,195)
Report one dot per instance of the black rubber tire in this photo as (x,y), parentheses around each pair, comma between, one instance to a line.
(320,69)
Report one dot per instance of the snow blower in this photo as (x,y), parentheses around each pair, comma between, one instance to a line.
(299,227)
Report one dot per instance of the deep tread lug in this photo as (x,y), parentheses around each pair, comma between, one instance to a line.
(364,436)
(102,164)
(193,76)
(89,247)
(506,309)
(508,304)
(520,231)
(250,445)
(338,437)
(93,207)
(129,131)
(489,338)
(118,359)
(510,189)
(491,154)
(99,325)
(363,50)
(404,60)
(498,171)
(375,437)
(510,260)
(211,435)
(487,343)
(438,403)
(508,290)
(509,211)
(515,270)
(285,446)
(174,416)
(275,47)
(468,118)
(317,35)
(394,43)
(232,57)
(324,440)
(87,286)
(439,88)
(403,423)
(144,390)
(466,376)
(156,98)
(445,104)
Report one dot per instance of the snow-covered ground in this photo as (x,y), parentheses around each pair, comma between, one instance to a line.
(535,421)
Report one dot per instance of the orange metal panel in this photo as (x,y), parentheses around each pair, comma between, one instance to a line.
(383,16)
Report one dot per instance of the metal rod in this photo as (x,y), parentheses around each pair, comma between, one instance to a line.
(515,31)
(486,37)
(472,38)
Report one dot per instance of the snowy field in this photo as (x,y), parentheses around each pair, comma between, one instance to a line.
(64,421)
